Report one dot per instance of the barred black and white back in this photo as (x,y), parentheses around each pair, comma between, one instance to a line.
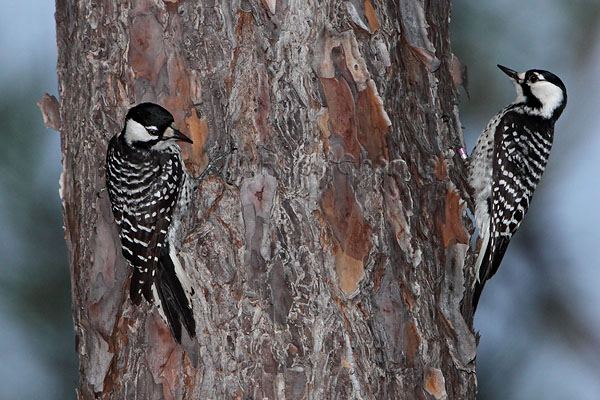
(508,162)
(148,186)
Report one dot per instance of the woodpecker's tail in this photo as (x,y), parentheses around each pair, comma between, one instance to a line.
(489,259)
(481,268)
(173,294)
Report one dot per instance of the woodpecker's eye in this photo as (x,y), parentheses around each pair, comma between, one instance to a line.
(533,78)
(152,130)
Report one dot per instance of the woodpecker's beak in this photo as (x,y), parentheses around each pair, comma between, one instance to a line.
(177,135)
(180,136)
(514,75)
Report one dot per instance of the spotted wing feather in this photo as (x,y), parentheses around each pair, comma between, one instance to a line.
(143,194)
(521,153)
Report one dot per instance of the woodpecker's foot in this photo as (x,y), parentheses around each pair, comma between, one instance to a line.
(213,165)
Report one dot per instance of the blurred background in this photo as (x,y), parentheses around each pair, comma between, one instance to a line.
(538,317)
(37,345)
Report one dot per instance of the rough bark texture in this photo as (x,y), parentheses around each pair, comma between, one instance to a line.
(331,257)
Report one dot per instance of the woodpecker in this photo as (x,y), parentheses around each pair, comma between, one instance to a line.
(147,186)
(508,162)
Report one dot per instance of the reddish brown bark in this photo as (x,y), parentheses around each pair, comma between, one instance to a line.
(330,258)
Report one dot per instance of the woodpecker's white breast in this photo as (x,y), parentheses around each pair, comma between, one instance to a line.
(480,172)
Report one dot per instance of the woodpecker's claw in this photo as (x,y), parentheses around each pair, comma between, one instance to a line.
(212,164)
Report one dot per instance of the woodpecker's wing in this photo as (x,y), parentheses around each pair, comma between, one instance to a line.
(521,150)
(112,170)
(152,218)
(143,192)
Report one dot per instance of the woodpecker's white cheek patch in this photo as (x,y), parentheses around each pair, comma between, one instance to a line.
(135,132)
(550,95)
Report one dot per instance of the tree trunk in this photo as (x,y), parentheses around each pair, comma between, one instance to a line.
(330,258)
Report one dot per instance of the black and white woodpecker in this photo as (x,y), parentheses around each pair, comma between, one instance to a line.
(508,162)
(148,188)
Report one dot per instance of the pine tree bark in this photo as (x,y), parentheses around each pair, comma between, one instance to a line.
(330,258)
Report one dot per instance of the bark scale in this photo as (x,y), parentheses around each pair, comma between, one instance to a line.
(330,259)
